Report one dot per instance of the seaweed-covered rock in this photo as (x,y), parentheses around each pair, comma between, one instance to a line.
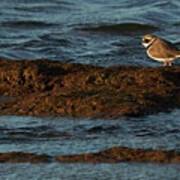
(111,155)
(44,88)
(123,154)
(19,157)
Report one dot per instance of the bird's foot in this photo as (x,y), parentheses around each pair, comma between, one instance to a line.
(170,63)
(165,64)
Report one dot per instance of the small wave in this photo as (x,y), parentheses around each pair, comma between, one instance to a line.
(26,24)
(55,39)
(44,8)
(100,129)
(129,28)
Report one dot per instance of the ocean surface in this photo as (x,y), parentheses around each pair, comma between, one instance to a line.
(98,32)
(62,136)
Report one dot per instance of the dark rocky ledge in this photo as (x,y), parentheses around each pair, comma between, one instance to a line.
(124,154)
(112,155)
(22,157)
(48,88)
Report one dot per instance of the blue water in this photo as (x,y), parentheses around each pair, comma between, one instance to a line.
(53,29)
(98,32)
(121,171)
(63,136)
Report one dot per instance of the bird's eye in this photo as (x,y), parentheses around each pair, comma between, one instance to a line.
(146,40)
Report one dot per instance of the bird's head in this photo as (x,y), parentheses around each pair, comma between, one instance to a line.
(147,40)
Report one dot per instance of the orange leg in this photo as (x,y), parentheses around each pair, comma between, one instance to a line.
(165,63)
(170,63)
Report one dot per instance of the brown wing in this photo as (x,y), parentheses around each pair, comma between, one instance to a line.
(170,45)
(163,49)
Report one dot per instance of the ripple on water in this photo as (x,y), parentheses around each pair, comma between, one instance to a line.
(88,171)
(26,24)
(62,136)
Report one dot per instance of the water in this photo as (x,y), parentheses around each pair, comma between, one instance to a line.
(66,30)
(63,136)
(98,32)
(76,136)
(124,171)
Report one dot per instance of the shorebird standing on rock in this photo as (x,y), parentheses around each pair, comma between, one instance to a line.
(160,49)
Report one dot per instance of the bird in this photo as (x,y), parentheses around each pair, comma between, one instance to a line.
(160,49)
